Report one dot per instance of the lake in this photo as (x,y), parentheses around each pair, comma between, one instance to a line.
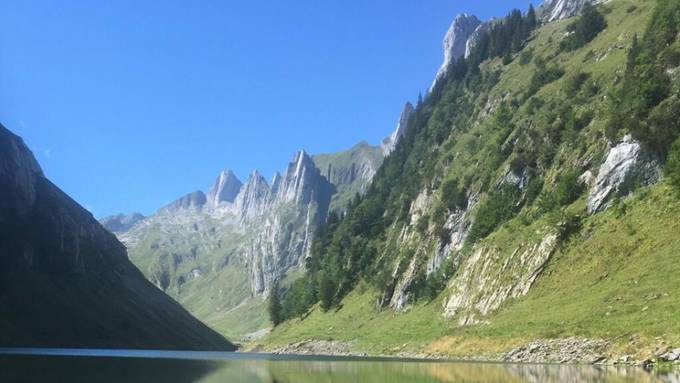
(62,365)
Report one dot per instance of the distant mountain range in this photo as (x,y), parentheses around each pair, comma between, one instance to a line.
(217,252)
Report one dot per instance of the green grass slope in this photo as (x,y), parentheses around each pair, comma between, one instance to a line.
(543,111)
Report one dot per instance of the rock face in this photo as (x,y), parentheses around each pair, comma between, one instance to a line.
(227,187)
(285,226)
(623,167)
(253,197)
(553,10)
(478,32)
(195,201)
(476,290)
(455,42)
(121,223)
(66,281)
(389,143)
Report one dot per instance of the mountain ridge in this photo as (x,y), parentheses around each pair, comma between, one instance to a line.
(67,281)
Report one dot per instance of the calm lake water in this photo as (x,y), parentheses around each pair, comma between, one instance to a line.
(40,365)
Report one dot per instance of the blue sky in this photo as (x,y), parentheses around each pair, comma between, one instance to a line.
(128,105)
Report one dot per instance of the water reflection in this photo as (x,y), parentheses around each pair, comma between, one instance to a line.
(265,369)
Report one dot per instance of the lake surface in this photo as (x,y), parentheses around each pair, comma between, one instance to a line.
(58,365)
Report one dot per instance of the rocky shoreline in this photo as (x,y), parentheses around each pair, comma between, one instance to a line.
(573,350)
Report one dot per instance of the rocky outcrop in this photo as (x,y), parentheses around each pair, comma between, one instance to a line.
(489,277)
(192,201)
(121,223)
(473,40)
(226,188)
(553,10)
(66,281)
(319,347)
(455,41)
(284,229)
(253,197)
(389,143)
(567,350)
(624,166)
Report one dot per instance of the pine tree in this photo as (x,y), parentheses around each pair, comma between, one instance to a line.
(275,309)
(531,21)
(326,291)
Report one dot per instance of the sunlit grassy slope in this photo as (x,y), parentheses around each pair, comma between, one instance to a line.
(616,278)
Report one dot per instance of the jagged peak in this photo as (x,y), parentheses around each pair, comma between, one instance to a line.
(302,161)
(225,189)
(455,41)
(256,177)
(389,143)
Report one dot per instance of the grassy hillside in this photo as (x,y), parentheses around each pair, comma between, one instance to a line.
(478,219)
(615,279)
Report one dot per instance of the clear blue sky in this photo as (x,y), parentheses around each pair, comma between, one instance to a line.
(129,104)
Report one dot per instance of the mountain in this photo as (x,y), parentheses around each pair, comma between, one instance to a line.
(350,171)
(390,142)
(529,212)
(66,281)
(120,223)
(455,42)
(554,10)
(218,252)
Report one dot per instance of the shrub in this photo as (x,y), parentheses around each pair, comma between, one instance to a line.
(499,206)
(567,190)
(584,29)
(452,195)
(574,82)
(526,56)
(672,168)
(274,304)
(543,75)
(663,127)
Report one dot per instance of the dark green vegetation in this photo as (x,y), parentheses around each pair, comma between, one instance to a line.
(646,104)
(584,29)
(274,304)
(65,281)
(506,142)
(673,165)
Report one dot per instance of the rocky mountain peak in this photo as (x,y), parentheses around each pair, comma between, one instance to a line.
(553,10)
(455,41)
(192,201)
(252,198)
(389,143)
(299,180)
(225,189)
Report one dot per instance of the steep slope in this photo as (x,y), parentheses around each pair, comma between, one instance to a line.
(65,281)
(492,224)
